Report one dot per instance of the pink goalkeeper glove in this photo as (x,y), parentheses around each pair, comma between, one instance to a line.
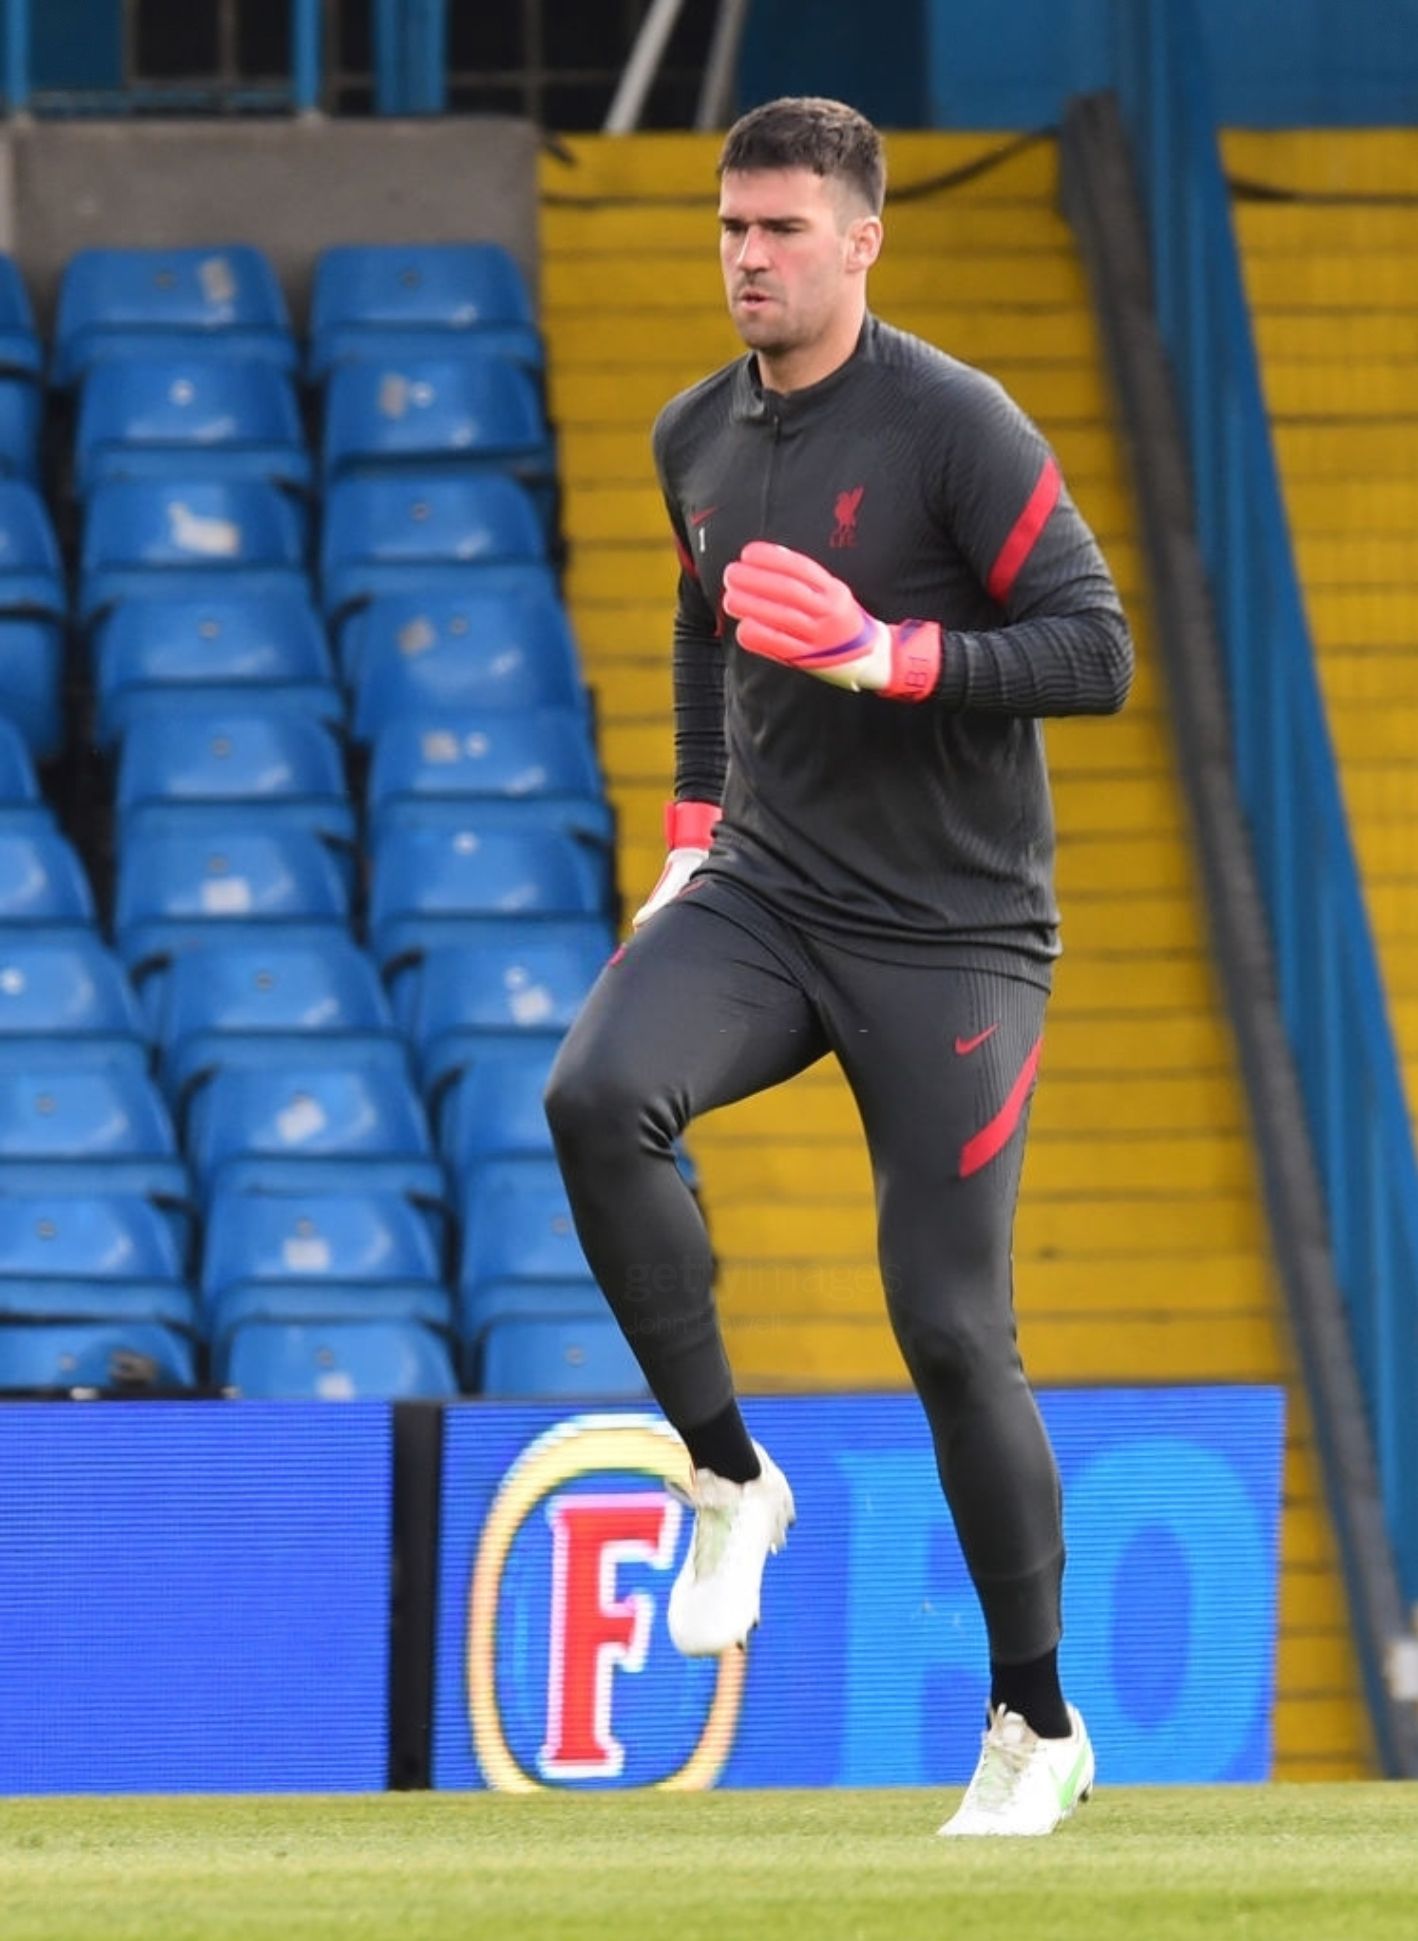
(793,610)
(689,830)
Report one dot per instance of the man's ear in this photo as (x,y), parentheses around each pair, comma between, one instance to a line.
(864,240)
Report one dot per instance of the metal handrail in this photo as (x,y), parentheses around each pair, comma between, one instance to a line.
(1330,989)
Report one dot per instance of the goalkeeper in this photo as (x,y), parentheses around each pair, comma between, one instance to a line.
(884,589)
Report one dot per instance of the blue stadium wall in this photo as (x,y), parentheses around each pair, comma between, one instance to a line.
(969,64)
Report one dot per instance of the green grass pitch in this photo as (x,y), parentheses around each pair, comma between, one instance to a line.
(1300,1862)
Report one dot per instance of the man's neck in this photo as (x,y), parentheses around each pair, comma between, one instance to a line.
(800,368)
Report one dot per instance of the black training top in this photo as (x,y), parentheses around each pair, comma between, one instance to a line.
(908,830)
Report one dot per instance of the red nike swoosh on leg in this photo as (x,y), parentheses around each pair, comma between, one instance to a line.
(964,1046)
(994,1137)
(698,518)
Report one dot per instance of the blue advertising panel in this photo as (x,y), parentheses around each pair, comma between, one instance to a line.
(194,1596)
(560,1540)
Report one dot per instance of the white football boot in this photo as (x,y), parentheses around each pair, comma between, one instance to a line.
(737,1526)
(1024,1784)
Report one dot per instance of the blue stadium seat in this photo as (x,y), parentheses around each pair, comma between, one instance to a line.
(31,571)
(23,809)
(143,302)
(280,771)
(65,1114)
(558,1357)
(168,1303)
(42,881)
(261,1003)
(387,300)
(21,412)
(430,414)
(437,886)
(76,1132)
(516,1224)
(20,350)
(421,654)
(33,604)
(120,1355)
(311,1129)
(19,785)
(21,378)
(189,537)
(64,1000)
(106,1237)
(544,752)
(459,1001)
(523,1299)
(264,651)
(339,1361)
(399,535)
(589,821)
(493,1109)
(372,1239)
(197,417)
(31,682)
(318,1304)
(173,888)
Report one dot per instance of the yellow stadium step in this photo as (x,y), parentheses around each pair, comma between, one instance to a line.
(1135,743)
(688,231)
(607,573)
(1046,276)
(1093,1229)
(655,168)
(1141,1249)
(598,394)
(1389,336)
(1348,229)
(619,453)
(1308,280)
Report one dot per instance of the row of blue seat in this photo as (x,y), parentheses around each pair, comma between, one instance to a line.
(143,417)
(376,300)
(540,1357)
(65,998)
(196,539)
(398,657)
(304,1256)
(87,1156)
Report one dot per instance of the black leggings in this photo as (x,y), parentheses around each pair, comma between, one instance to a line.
(713,1000)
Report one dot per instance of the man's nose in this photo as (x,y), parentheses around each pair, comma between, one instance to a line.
(753,253)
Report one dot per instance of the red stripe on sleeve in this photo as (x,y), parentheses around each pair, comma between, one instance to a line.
(686,558)
(979,1150)
(1027,527)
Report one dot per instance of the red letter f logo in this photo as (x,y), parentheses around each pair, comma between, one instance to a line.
(594,1633)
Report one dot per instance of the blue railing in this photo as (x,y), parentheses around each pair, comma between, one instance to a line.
(1330,990)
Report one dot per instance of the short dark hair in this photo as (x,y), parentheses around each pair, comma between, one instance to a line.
(808,131)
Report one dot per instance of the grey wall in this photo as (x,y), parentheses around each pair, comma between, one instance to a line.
(292,187)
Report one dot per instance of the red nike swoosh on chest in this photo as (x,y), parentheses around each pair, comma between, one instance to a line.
(964,1046)
(698,518)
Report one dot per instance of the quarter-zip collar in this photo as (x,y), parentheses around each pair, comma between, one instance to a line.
(791,410)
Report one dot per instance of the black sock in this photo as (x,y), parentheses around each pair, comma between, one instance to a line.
(724,1446)
(1032,1689)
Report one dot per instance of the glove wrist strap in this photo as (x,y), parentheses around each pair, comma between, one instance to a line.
(690,825)
(915,660)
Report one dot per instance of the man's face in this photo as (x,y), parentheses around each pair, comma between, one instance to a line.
(793,245)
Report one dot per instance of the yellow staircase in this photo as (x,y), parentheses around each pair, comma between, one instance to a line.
(1141,1246)
(1332,293)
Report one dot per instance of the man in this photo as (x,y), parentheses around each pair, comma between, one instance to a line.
(883,588)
